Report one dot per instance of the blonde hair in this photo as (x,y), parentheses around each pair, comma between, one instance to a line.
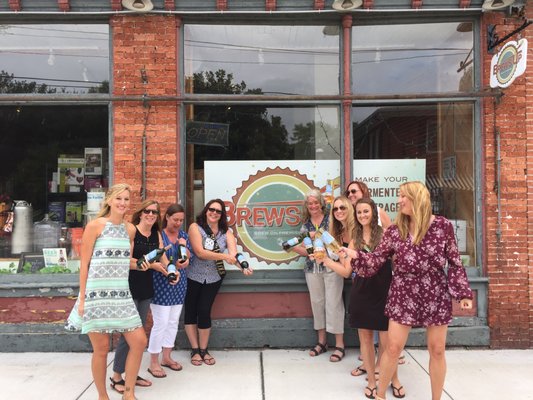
(112,193)
(419,196)
(335,226)
(317,195)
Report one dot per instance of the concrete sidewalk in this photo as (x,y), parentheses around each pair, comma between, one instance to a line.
(271,375)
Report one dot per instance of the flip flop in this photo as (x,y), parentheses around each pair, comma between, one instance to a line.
(141,382)
(115,383)
(373,392)
(396,391)
(161,373)
(358,371)
(174,366)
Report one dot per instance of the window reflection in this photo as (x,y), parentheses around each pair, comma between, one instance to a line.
(442,135)
(270,59)
(259,132)
(412,58)
(54,58)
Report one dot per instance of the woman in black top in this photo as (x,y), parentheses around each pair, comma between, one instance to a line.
(147,221)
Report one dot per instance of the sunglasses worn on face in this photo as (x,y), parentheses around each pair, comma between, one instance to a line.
(342,208)
(215,210)
(352,191)
(155,212)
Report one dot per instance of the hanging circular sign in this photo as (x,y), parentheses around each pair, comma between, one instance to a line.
(508,64)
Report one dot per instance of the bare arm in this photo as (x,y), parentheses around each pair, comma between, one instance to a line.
(342,267)
(385,219)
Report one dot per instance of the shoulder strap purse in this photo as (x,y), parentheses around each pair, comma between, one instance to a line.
(219,263)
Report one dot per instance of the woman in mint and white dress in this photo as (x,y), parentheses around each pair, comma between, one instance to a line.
(104,303)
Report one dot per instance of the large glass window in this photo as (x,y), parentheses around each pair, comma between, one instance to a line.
(54,58)
(421,58)
(439,137)
(263,59)
(51,157)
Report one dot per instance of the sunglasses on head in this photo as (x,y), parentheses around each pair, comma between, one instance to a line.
(342,208)
(215,210)
(352,191)
(155,212)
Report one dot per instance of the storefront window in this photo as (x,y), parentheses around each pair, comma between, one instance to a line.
(431,142)
(258,133)
(416,58)
(51,59)
(51,157)
(269,60)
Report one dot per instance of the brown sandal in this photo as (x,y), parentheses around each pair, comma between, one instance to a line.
(335,357)
(322,348)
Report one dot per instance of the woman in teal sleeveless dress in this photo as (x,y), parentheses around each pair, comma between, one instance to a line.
(104,303)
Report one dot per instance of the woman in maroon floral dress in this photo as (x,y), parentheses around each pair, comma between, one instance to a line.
(421,293)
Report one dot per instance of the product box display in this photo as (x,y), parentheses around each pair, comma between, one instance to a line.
(56,211)
(73,212)
(71,173)
(94,160)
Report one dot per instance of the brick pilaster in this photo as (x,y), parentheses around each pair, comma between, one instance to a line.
(64,5)
(270,5)
(15,5)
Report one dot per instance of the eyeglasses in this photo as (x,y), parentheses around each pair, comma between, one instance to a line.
(352,191)
(342,208)
(215,210)
(155,212)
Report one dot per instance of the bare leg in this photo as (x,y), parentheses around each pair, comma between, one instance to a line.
(137,342)
(155,367)
(322,338)
(395,381)
(192,334)
(397,336)
(436,338)
(339,342)
(100,344)
(167,357)
(366,338)
(203,337)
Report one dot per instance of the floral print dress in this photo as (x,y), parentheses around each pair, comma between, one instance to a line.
(421,290)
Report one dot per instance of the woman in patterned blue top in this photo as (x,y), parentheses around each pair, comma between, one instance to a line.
(168,297)
(210,237)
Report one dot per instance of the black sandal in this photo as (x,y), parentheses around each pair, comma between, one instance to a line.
(396,391)
(195,362)
(373,392)
(208,361)
(115,383)
(322,348)
(335,357)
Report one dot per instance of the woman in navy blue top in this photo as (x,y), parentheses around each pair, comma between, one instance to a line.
(168,299)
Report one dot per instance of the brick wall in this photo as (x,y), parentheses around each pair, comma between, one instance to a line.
(507,260)
(146,43)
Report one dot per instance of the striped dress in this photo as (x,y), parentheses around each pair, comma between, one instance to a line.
(109,306)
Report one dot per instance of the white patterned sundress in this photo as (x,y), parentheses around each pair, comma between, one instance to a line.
(109,306)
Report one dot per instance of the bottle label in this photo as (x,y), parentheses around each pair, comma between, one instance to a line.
(171,268)
(240,258)
(150,256)
(327,238)
(292,242)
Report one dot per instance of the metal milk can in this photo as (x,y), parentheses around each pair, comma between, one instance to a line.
(22,237)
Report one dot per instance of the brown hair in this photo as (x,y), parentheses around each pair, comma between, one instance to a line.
(376,231)
(136,218)
(171,210)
